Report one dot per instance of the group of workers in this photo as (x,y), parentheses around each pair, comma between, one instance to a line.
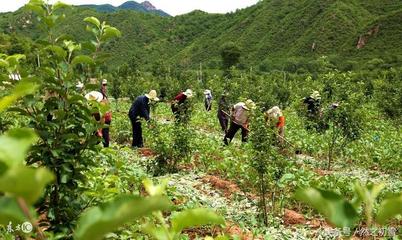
(231,119)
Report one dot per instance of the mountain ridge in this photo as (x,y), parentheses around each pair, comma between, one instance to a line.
(146,7)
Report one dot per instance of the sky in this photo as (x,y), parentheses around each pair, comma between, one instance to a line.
(173,7)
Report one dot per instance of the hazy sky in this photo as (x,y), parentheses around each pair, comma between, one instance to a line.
(173,7)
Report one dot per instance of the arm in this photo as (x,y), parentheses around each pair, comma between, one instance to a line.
(145,110)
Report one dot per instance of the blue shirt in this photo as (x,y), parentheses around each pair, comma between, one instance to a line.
(139,108)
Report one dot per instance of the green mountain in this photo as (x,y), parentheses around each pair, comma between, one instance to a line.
(270,34)
(145,7)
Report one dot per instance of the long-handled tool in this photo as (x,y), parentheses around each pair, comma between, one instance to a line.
(283,138)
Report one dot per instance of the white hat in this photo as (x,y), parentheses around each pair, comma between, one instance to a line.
(274,112)
(207,92)
(104,81)
(249,104)
(315,95)
(79,85)
(94,96)
(152,95)
(188,93)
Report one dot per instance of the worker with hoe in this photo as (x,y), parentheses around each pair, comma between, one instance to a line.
(180,105)
(276,122)
(223,112)
(314,112)
(240,116)
(140,110)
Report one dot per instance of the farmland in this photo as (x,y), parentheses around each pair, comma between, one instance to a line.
(337,175)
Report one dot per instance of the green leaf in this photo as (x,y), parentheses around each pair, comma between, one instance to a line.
(110,32)
(59,5)
(155,190)
(98,221)
(4,63)
(369,193)
(14,60)
(337,210)
(60,52)
(23,88)
(81,59)
(389,208)
(195,217)
(158,233)
(37,6)
(10,211)
(25,182)
(14,145)
(93,20)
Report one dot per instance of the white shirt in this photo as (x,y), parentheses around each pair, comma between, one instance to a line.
(240,115)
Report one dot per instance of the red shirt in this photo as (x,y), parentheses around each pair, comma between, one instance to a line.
(281,122)
(180,97)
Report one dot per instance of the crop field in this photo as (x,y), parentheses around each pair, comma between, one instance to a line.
(92,148)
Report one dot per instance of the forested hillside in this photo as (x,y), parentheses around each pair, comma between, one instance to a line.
(278,121)
(273,33)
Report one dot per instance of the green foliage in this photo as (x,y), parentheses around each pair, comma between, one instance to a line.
(179,221)
(278,35)
(98,221)
(388,91)
(194,218)
(265,160)
(10,211)
(230,54)
(61,116)
(389,208)
(343,213)
(337,210)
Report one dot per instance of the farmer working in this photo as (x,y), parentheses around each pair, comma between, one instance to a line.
(314,112)
(140,109)
(107,118)
(179,104)
(208,100)
(223,112)
(92,97)
(275,120)
(313,103)
(240,120)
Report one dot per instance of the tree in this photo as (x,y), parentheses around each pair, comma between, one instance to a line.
(230,54)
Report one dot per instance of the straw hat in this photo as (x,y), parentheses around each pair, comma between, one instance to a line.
(79,85)
(207,92)
(104,82)
(94,96)
(188,93)
(152,95)
(315,95)
(249,105)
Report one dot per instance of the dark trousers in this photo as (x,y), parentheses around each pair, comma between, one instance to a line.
(232,132)
(223,121)
(137,134)
(106,137)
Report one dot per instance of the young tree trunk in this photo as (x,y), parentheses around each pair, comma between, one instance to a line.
(263,200)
